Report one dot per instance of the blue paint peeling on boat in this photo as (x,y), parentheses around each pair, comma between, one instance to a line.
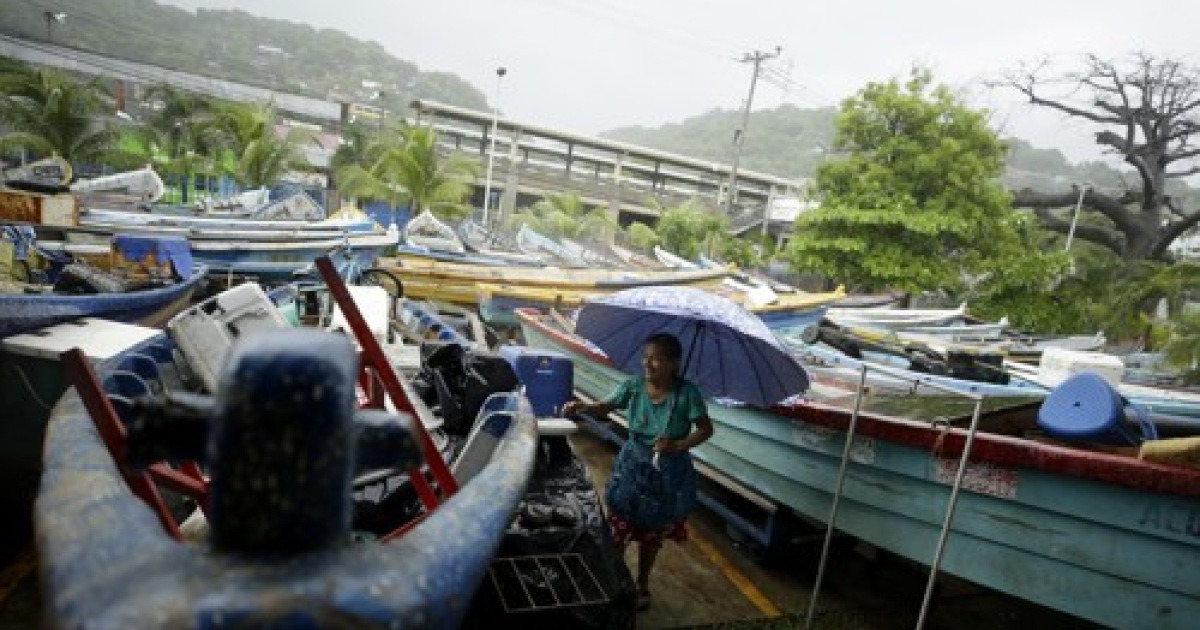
(281,553)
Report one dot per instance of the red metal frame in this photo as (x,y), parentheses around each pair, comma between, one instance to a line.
(190,481)
(374,358)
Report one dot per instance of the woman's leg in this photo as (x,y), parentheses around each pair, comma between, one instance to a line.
(647,553)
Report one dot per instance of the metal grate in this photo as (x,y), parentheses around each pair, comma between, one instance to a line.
(545,582)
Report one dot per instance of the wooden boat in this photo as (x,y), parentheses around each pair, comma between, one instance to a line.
(143,184)
(533,243)
(146,291)
(498,302)
(1106,537)
(25,312)
(488,243)
(51,174)
(277,552)
(408,266)
(895,318)
(273,255)
(428,232)
(633,259)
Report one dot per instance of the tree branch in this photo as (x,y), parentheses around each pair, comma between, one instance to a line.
(1113,209)
(1184,173)
(1104,237)
(1172,231)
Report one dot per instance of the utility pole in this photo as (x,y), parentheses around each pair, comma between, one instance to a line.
(739,136)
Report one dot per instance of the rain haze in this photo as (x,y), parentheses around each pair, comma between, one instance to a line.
(589,66)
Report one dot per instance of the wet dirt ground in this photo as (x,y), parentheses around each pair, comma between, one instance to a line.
(714,581)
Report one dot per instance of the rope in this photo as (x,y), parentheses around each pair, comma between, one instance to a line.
(29,388)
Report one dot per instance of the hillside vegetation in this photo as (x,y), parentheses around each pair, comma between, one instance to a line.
(234,45)
(790,142)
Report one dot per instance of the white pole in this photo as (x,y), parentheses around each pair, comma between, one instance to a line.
(1075,217)
(487,183)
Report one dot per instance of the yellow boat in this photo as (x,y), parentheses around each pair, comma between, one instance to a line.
(497,302)
(408,265)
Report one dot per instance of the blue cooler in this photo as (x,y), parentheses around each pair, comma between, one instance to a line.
(548,377)
(1086,408)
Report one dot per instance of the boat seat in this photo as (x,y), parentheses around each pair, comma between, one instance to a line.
(495,416)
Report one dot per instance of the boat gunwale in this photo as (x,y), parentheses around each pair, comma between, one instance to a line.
(949,441)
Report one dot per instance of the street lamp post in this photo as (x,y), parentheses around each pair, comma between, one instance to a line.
(487,182)
(51,18)
(1075,216)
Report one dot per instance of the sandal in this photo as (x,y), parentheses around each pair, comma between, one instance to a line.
(643,600)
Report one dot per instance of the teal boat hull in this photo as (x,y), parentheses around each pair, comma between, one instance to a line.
(1107,538)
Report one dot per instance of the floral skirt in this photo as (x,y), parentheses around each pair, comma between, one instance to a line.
(648,504)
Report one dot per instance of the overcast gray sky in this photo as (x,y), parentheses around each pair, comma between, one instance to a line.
(591,65)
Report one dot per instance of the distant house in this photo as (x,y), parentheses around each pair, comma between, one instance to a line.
(270,50)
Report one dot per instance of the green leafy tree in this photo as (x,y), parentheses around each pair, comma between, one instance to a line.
(1183,347)
(402,166)
(914,202)
(260,154)
(689,229)
(48,112)
(1132,300)
(743,252)
(641,236)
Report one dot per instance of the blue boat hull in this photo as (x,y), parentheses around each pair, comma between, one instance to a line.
(107,562)
(279,263)
(1107,538)
(21,313)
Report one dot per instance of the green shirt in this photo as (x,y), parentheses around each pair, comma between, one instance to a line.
(648,420)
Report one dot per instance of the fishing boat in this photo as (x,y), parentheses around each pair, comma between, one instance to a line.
(277,552)
(426,231)
(673,261)
(499,301)
(1107,537)
(456,282)
(895,318)
(634,259)
(50,174)
(85,291)
(142,184)
(493,245)
(534,243)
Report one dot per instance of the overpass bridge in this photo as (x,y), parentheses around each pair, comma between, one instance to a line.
(630,181)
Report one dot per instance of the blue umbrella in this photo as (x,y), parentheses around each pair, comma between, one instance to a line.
(727,352)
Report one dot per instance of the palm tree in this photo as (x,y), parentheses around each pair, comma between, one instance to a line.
(259,154)
(565,215)
(52,114)
(402,166)
(181,137)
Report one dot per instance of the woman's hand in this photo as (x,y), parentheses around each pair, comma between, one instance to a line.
(667,445)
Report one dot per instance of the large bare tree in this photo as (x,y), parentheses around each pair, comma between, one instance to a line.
(1148,107)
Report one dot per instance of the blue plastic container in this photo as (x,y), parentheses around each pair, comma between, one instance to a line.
(548,377)
(1086,408)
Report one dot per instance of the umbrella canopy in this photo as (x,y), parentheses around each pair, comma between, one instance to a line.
(727,352)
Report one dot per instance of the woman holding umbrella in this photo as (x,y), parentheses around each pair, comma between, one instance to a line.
(653,485)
